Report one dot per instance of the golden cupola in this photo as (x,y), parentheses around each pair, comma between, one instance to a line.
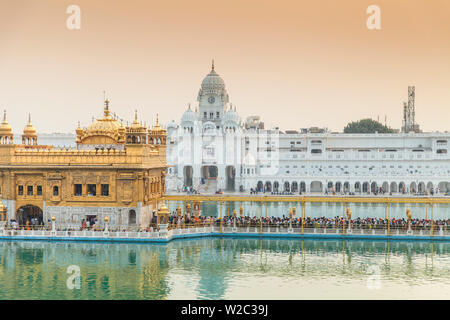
(29,136)
(6,134)
(136,133)
(157,135)
(103,131)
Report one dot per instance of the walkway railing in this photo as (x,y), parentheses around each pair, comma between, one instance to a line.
(435,228)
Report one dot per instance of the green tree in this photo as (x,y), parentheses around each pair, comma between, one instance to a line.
(367,126)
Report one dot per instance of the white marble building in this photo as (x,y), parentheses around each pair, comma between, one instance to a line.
(213,149)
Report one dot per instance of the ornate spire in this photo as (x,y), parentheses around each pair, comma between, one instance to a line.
(212,66)
(106,107)
(4,116)
(29,118)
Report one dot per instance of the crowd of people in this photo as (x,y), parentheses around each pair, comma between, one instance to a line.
(309,222)
(284,221)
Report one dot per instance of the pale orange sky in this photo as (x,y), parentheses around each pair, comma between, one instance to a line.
(294,63)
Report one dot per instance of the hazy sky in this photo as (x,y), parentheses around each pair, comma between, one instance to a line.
(295,63)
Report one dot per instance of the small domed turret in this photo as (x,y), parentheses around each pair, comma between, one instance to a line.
(29,136)
(189,115)
(6,134)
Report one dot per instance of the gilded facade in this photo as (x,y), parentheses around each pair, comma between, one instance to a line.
(116,170)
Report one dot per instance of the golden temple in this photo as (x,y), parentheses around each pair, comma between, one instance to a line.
(115,170)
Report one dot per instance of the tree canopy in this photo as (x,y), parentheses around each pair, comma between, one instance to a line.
(367,126)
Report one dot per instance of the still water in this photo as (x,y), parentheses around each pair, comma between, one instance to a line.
(214,268)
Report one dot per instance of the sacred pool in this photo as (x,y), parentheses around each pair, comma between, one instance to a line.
(225,268)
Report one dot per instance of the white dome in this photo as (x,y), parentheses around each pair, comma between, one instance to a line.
(213,82)
(231,116)
(189,116)
(172,125)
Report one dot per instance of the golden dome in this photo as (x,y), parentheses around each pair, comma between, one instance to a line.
(136,124)
(29,130)
(5,128)
(104,125)
(157,127)
(105,130)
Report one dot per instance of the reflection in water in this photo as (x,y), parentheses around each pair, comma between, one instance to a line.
(217,268)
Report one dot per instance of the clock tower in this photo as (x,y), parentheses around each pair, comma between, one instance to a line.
(212,98)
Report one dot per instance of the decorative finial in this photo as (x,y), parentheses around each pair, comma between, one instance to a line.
(106,107)
(4,116)
(189,106)
(78,124)
(135,115)
(213,64)
(157,122)
(29,118)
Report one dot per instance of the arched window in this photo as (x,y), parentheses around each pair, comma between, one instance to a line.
(55,191)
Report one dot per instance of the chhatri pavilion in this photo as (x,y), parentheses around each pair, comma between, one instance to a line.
(115,171)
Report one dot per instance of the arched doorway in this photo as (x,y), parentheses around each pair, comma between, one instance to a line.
(231,174)
(31,214)
(365,187)
(316,186)
(276,185)
(385,186)
(357,187)
(346,186)
(413,187)
(131,217)
(401,187)
(393,187)
(421,187)
(268,187)
(294,187)
(287,187)
(209,172)
(338,186)
(188,173)
(302,186)
(444,186)
(374,187)
(260,186)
